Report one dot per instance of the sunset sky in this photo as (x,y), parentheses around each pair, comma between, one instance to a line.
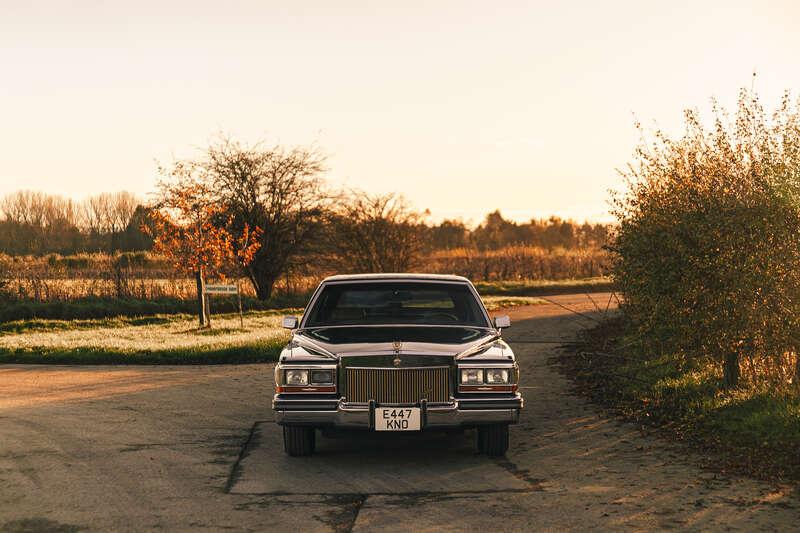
(463,107)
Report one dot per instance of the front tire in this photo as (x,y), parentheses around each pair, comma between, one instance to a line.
(299,440)
(493,440)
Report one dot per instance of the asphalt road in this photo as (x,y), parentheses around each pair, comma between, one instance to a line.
(179,448)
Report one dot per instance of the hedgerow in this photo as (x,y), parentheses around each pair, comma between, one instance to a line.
(707,251)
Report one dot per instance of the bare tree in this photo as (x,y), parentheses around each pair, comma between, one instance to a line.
(275,189)
(27,207)
(98,211)
(379,233)
(106,215)
(38,222)
(95,213)
(120,210)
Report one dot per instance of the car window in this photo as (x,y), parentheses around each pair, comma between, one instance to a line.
(342,304)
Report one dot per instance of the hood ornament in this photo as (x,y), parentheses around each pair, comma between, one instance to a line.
(397,346)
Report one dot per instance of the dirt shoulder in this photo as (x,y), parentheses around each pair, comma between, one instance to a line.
(613,472)
(752,430)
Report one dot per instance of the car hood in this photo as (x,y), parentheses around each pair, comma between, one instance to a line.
(412,340)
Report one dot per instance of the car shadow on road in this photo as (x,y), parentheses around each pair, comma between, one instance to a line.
(370,463)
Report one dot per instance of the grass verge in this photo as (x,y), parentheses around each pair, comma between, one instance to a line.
(493,303)
(754,430)
(542,287)
(173,339)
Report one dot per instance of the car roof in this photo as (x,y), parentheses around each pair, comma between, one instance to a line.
(397,276)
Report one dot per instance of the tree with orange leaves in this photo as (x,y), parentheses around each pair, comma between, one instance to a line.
(195,233)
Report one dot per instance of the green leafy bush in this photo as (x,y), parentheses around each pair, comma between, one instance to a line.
(707,252)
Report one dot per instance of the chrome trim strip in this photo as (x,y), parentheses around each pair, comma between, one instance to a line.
(360,406)
(304,342)
(485,391)
(487,364)
(308,366)
(306,400)
(355,406)
(479,347)
(434,417)
(398,325)
(395,368)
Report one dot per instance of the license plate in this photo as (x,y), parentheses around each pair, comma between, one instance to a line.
(397,419)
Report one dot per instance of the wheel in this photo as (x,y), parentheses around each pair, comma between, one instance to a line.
(299,440)
(493,440)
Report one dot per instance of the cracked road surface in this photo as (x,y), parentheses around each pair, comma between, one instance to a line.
(178,448)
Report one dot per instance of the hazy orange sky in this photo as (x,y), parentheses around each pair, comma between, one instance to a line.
(462,106)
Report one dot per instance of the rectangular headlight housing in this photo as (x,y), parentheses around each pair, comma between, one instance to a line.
(311,379)
(479,379)
(296,377)
(322,377)
(471,376)
(497,376)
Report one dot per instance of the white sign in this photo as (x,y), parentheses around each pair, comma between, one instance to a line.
(221,289)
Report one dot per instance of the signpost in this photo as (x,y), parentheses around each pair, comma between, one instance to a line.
(222,289)
(226,289)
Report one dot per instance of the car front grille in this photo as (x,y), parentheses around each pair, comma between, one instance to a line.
(398,385)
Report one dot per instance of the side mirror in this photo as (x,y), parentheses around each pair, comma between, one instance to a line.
(501,322)
(290,322)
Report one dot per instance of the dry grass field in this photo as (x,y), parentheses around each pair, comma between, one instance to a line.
(145,276)
(518,263)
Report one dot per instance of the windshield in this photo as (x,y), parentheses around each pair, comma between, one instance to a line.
(368,303)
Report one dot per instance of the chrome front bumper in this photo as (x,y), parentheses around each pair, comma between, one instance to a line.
(338,413)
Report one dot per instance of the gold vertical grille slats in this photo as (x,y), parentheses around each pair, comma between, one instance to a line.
(398,385)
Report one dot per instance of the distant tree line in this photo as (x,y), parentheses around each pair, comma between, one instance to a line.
(495,233)
(35,223)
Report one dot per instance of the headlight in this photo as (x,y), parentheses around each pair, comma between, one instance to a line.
(297,377)
(472,376)
(496,376)
(319,377)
